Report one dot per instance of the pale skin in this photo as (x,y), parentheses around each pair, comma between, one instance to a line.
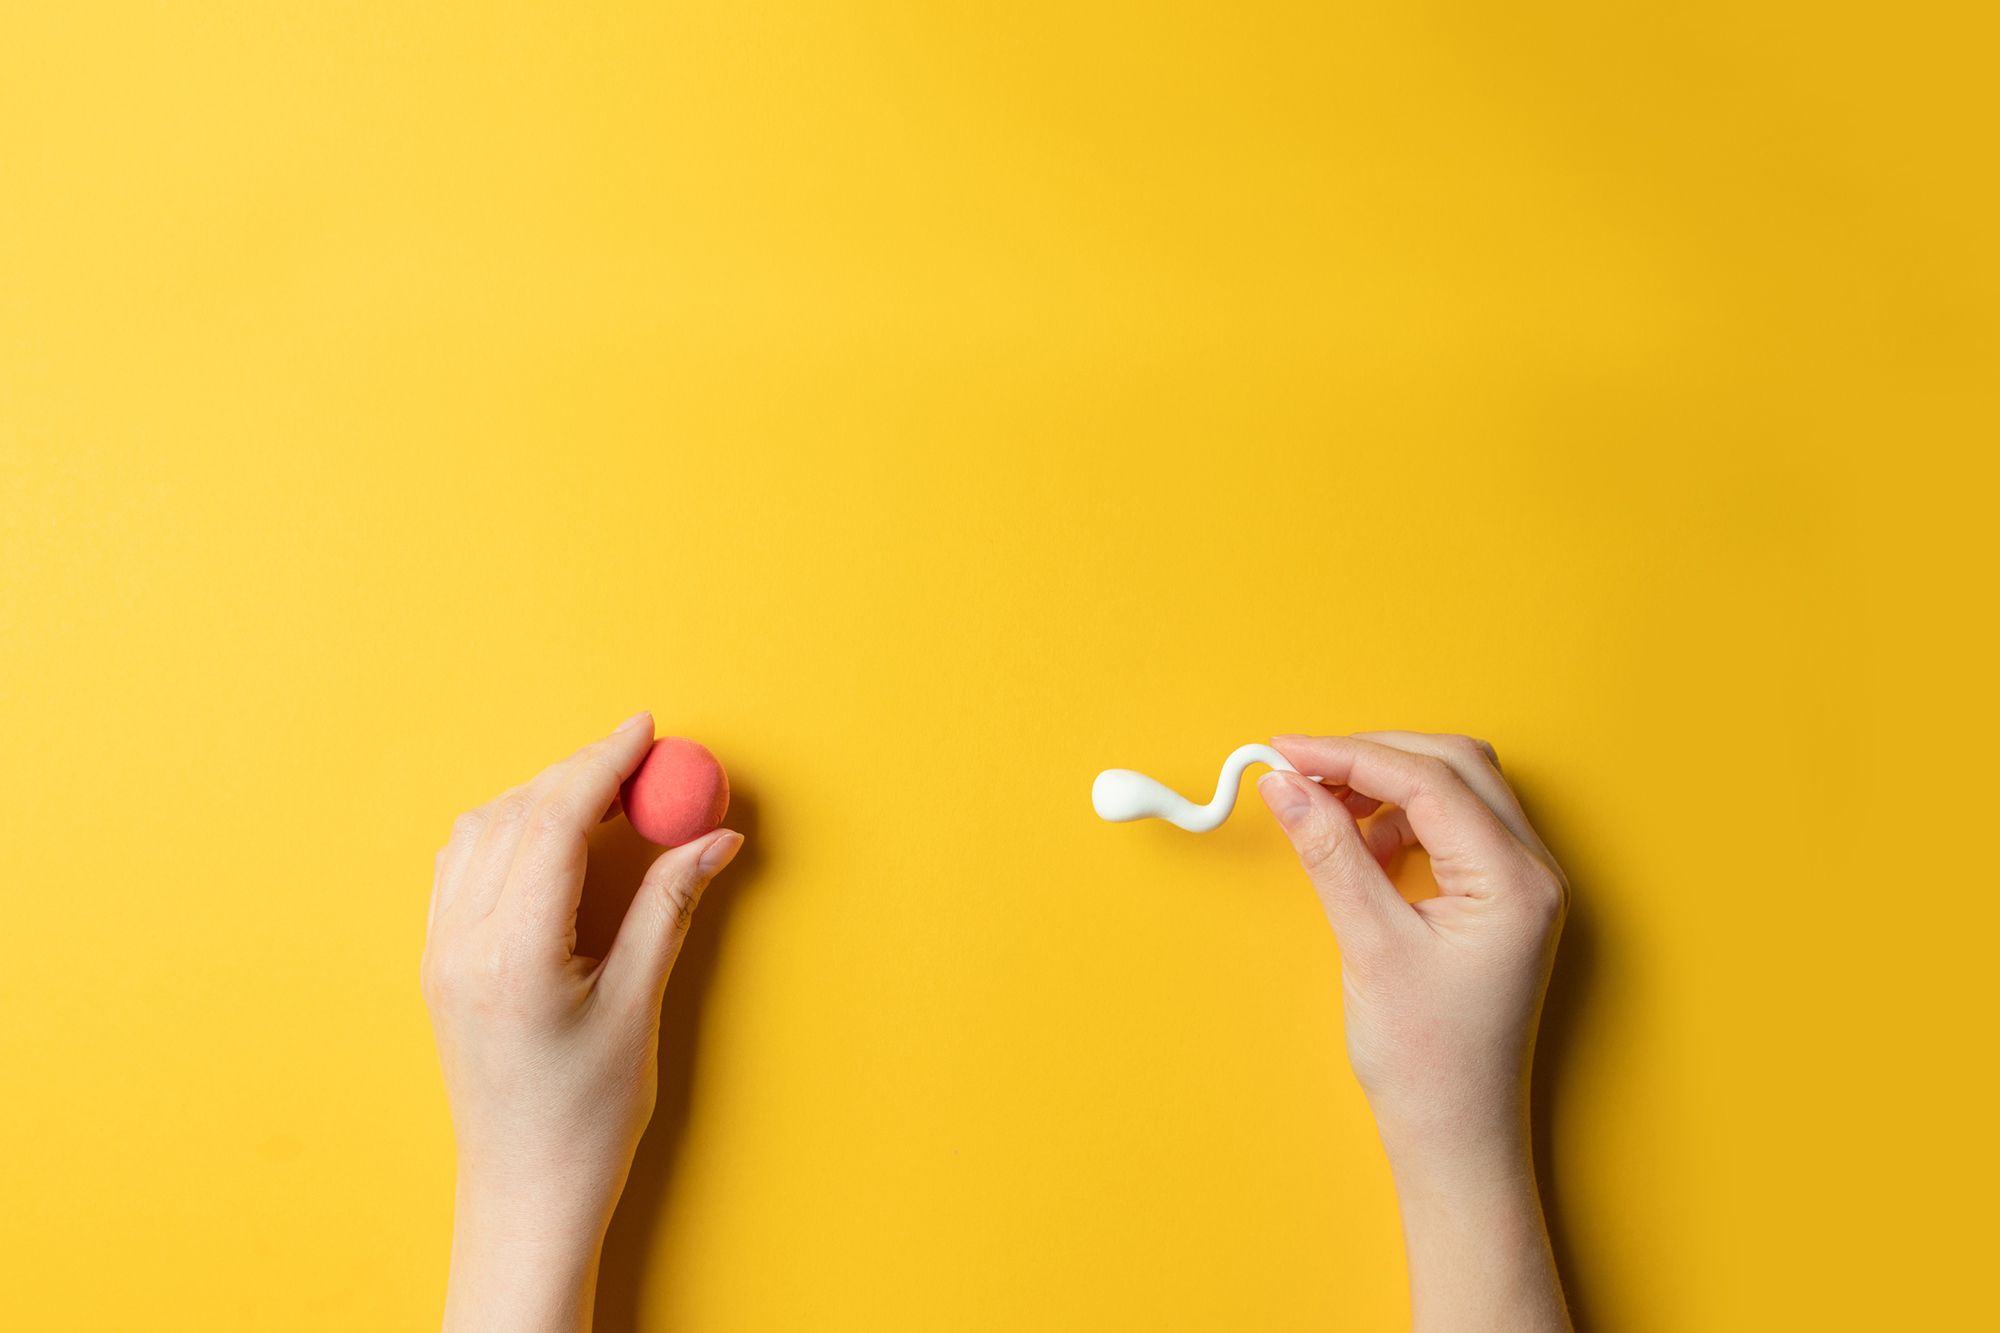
(1442,998)
(551,1059)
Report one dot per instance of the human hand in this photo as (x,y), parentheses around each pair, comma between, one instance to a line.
(1442,998)
(550,1059)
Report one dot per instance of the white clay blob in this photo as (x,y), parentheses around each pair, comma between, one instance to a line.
(1120,795)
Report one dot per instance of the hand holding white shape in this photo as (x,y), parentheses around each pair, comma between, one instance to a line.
(1120,795)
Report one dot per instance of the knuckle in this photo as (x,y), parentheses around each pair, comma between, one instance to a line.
(1547,892)
(1471,747)
(553,819)
(477,977)
(1320,852)
(1430,772)
(468,826)
(441,977)
(682,905)
(512,808)
(493,965)
(676,899)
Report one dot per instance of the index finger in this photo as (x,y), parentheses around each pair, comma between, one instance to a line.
(1476,763)
(545,880)
(1465,839)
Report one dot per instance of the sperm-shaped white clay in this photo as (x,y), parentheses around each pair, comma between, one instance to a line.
(1119,794)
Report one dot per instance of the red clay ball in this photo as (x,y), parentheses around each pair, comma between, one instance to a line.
(677,793)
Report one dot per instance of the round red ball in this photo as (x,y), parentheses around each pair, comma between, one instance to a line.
(678,792)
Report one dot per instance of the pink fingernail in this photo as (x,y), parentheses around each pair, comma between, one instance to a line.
(1286,799)
(644,715)
(720,852)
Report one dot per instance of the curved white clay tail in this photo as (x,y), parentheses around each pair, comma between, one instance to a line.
(1119,794)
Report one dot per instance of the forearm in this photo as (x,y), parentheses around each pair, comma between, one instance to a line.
(1477,1244)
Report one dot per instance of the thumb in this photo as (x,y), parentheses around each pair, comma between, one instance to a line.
(649,939)
(1359,899)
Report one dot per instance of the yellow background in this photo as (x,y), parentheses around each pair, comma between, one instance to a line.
(927,405)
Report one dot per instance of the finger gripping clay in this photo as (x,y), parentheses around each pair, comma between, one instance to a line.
(677,793)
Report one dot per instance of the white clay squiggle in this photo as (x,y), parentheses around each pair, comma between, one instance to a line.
(1119,794)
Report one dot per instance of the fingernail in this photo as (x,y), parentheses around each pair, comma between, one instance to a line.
(720,852)
(643,715)
(1282,793)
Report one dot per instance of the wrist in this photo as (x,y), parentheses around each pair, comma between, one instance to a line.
(1466,1153)
(1470,1127)
(519,1262)
(532,1210)
(1474,1236)
(1483,1177)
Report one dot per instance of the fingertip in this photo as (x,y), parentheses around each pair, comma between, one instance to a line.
(1285,795)
(1303,750)
(719,851)
(1296,746)
(629,743)
(626,748)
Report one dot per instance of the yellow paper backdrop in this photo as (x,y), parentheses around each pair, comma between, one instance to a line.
(927,405)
